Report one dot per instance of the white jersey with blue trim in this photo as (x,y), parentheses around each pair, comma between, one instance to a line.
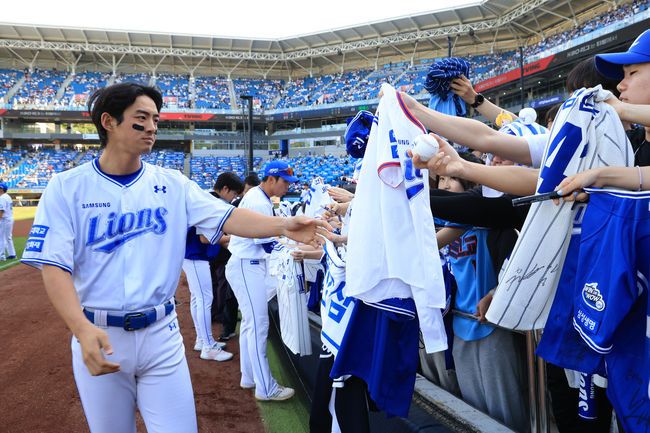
(292,299)
(245,248)
(587,133)
(336,309)
(392,247)
(123,244)
(317,199)
(6,205)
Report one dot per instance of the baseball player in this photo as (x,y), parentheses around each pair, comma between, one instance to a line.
(109,237)
(6,224)
(197,269)
(246,272)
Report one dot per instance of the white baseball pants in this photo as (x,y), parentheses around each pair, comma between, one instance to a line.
(6,240)
(200,282)
(153,377)
(247,279)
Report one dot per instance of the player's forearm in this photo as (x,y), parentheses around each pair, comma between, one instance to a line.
(510,179)
(472,133)
(63,296)
(250,224)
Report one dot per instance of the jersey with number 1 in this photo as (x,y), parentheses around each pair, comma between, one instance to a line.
(123,244)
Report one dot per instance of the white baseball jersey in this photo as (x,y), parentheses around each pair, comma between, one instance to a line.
(123,244)
(317,199)
(245,248)
(392,248)
(586,134)
(336,309)
(6,205)
(292,300)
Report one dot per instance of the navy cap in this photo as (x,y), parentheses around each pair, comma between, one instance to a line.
(280,168)
(4,186)
(611,65)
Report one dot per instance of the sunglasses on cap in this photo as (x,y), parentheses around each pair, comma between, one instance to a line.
(288,171)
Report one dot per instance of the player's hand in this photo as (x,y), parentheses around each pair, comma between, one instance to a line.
(93,341)
(462,87)
(306,230)
(298,255)
(339,194)
(572,187)
(482,307)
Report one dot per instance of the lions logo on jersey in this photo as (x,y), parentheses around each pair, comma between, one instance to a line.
(592,296)
(118,229)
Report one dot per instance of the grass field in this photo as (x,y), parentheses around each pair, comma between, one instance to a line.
(24,212)
(19,243)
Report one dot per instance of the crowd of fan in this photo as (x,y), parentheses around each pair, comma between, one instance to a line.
(204,170)
(610,17)
(40,87)
(334,170)
(181,91)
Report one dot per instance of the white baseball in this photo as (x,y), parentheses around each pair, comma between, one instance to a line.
(426,146)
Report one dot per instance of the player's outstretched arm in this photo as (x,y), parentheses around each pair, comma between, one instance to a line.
(250,224)
(470,133)
(510,179)
(62,294)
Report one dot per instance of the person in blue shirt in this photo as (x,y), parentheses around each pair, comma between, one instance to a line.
(488,360)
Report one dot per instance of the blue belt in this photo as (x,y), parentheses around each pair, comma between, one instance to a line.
(132,321)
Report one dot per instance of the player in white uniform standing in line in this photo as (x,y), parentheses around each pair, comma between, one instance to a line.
(246,272)
(6,224)
(109,236)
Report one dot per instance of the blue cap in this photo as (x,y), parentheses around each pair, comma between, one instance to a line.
(4,186)
(611,65)
(280,168)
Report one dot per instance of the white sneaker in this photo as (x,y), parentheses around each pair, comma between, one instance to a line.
(283,393)
(198,345)
(215,353)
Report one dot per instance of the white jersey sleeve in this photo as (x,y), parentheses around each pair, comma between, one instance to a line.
(536,146)
(52,237)
(205,212)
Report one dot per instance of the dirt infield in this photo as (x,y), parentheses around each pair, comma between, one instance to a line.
(39,394)
(21,228)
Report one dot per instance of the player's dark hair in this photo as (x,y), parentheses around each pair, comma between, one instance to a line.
(230,180)
(114,100)
(585,74)
(252,179)
(552,112)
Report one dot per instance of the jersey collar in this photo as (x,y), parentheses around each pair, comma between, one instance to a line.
(107,177)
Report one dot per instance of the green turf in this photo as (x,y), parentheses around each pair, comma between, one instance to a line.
(19,243)
(290,416)
(24,213)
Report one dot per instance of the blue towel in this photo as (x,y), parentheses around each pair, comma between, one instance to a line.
(357,133)
(437,84)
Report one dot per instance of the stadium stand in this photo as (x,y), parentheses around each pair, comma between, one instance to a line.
(39,88)
(36,168)
(205,169)
(8,78)
(81,87)
(212,92)
(175,90)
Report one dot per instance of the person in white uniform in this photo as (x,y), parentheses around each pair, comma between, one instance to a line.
(6,224)
(109,237)
(246,272)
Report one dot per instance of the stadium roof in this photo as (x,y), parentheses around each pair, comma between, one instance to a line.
(485,26)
